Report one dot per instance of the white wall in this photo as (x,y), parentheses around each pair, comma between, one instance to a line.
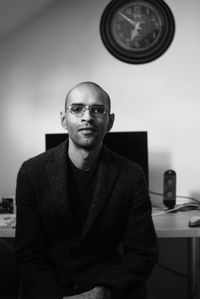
(61,47)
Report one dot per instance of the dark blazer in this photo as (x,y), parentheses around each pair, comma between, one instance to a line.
(55,258)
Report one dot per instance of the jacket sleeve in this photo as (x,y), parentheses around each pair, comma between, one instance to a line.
(36,272)
(140,250)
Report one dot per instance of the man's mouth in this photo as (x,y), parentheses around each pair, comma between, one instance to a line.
(87,129)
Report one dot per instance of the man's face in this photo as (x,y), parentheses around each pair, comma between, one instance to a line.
(88,130)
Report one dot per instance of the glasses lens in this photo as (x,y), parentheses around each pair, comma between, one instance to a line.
(77,109)
(97,109)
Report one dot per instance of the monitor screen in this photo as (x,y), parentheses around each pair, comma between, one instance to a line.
(132,145)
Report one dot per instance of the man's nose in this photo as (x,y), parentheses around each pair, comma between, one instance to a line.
(87,115)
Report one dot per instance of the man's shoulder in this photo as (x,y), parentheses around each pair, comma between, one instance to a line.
(121,161)
(43,158)
(128,169)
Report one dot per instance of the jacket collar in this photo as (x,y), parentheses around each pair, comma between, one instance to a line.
(57,175)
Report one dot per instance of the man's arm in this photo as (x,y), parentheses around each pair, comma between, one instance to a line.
(37,276)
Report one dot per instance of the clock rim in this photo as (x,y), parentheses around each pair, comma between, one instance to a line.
(146,55)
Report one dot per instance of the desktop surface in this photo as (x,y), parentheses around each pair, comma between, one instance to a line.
(168,225)
(175,224)
(7,225)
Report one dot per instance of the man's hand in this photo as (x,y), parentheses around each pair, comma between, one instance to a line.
(95,293)
(100,293)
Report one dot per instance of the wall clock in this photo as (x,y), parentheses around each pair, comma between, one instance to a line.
(137,31)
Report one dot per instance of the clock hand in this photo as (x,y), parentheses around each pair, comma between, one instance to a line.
(135,31)
(127,19)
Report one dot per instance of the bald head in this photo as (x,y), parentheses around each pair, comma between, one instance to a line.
(90,87)
(85,123)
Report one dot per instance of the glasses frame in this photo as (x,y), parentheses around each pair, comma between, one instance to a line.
(86,107)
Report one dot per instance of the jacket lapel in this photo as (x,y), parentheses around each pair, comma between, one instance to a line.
(57,175)
(106,178)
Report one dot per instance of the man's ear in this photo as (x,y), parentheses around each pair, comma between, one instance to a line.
(111,122)
(63,120)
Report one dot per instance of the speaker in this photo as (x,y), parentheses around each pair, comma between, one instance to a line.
(169,189)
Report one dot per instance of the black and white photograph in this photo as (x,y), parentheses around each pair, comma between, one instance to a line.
(100,143)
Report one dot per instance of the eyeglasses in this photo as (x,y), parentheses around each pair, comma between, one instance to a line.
(79,110)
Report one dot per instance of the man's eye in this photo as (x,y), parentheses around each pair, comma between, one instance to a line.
(98,109)
(77,109)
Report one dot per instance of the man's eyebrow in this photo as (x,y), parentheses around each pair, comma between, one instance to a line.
(79,104)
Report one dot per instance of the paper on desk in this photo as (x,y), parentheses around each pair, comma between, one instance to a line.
(7,219)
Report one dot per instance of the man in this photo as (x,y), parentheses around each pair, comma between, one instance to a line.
(76,204)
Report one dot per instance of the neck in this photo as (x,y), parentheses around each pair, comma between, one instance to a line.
(83,158)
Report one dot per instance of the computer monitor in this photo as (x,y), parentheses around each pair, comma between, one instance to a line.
(132,145)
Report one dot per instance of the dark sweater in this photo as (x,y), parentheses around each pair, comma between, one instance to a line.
(81,188)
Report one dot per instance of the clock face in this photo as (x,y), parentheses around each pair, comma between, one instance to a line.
(137,31)
(136,26)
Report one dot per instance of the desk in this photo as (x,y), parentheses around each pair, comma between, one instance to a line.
(7,230)
(175,225)
(169,225)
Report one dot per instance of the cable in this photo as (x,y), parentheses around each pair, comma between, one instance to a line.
(189,197)
(173,271)
(180,275)
(177,196)
(195,205)
(156,193)
(7,245)
(177,208)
